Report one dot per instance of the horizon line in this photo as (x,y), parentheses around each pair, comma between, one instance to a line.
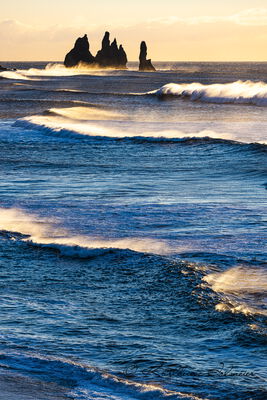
(154,61)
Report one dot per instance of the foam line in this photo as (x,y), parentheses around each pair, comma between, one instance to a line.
(94,383)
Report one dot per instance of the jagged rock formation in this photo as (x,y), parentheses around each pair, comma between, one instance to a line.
(144,64)
(110,55)
(79,54)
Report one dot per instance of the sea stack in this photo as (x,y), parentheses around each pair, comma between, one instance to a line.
(144,64)
(80,54)
(110,55)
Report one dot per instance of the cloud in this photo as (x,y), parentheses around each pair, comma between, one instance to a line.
(10,29)
(14,30)
(250,17)
(241,36)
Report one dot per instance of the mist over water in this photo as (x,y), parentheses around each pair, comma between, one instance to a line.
(133,232)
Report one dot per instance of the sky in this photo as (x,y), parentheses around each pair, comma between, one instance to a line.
(175,30)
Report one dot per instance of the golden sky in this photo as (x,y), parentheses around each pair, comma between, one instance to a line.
(175,30)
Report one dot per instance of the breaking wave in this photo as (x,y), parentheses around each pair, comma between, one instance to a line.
(74,130)
(242,290)
(46,233)
(55,70)
(52,70)
(239,92)
(92,122)
(58,70)
(17,75)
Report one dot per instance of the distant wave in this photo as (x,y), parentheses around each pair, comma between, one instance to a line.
(51,70)
(46,233)
(55,70)
(59,70)
(14,75)
(239,92)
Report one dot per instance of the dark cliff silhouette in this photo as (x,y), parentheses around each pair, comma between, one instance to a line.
(79,54)
(144,64)
(110,55)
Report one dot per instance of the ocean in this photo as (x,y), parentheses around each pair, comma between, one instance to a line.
(133,232)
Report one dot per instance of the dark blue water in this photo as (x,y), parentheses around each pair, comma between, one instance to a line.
(133,232)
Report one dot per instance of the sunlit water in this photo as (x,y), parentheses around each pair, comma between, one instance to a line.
(133,232)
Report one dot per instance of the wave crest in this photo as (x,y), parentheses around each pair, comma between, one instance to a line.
(17,75)
(242,290)
(98,123)
(239,92)
(91,122)
(45,232)
(60,128)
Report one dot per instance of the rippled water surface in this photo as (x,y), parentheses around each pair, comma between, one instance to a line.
(133,232)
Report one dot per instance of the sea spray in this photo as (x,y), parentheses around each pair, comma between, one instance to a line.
(45,233)
(241,289)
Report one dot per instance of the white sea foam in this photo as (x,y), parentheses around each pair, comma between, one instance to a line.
(14,75)
(242,289)
(239,92)
(46,233)
(86,122)
(85,129)
(57,70)
(93,122)
(51,70)
(54,70)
